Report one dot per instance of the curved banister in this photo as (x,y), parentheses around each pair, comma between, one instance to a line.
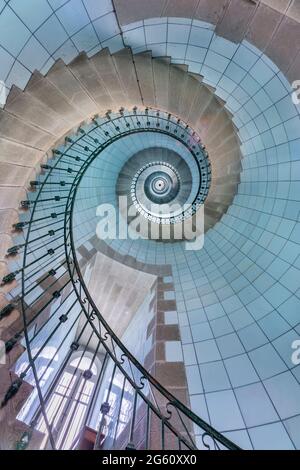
(147,391)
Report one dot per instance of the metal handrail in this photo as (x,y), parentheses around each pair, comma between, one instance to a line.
(172,400)
(146,387)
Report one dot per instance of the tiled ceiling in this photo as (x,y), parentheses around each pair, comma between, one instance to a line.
(238,299)
(34,33)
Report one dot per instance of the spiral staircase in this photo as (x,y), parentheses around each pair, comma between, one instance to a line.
(49,106)
(56,138)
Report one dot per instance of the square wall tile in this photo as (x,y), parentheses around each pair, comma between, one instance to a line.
(197,316)
(201,331)
(255,405)
(96,8)
(274,325)
(73,16)
(189,354)
(198,406)
(292,426)
(224,411)
(32,12)
(6,61)
(19,76)
(33,56)
(241,438)
(173,351)
(271,437)
(221,326)
(106,27)
(9,24)
(86,38)
(207,351)
(230,345)
(194,380)
(240,371)
(266,361)
(46,36)
(284,391)
(171,318)
(252,337)
(214,377)
(178,33)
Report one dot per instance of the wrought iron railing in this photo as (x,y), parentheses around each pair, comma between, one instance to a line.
(136,410)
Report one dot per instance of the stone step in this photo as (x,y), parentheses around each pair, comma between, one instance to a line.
(35,437)
(177,83)
(85,72)
(144,69)
(209,221)
(62,78)
(11,437)
(42,89)
(188,95)
(15,129)
(18,153)
(105,67)
(213,215)
(31,110)
(202,100)
(10,409)
(207,118)
(125,66)
(218,126)
(15,175)
(161,72)
(216,206)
